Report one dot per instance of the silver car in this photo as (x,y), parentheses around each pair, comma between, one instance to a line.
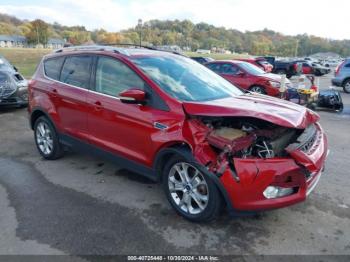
(13,86)
(342,76)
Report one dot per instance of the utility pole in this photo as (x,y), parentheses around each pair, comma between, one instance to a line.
(139,23)
(296,48)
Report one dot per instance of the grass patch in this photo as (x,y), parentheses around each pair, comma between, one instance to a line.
(25,59)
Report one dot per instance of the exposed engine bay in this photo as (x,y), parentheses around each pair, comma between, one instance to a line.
(249,138)
(231,137)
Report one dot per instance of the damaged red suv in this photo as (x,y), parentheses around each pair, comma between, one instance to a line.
(175,121)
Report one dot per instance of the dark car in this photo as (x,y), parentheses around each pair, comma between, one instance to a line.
(281,67)
(13,86)
(202,59)
(248,76)
(175,121)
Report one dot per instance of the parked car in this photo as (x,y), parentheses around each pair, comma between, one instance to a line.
(13,86)
(320,70)
(342,75)
(202,59)
(248,76)
(175,121)
(331,63)
(288,68)
(313,68)
(259,62)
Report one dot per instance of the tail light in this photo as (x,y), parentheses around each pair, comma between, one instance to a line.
(295,67)
(337,69)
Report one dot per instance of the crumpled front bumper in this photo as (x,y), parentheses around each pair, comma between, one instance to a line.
(18,98)
(300,171)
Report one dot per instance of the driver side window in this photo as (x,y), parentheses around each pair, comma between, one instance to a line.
(113,76)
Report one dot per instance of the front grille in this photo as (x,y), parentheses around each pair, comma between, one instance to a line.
(308,144)
(310,139)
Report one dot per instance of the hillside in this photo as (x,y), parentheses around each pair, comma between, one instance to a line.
(184,34)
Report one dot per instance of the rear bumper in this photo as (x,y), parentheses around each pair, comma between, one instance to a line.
(336,81)
(300,172)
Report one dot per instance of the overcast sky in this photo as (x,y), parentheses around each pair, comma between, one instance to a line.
(326,18)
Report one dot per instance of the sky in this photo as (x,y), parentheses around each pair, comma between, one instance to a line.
(325,18)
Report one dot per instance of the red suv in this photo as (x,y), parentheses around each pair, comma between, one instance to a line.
(248,76)
(173,120)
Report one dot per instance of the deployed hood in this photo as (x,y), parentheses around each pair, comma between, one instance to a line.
(277,111)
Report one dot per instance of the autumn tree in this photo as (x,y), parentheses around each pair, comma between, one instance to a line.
(38,32)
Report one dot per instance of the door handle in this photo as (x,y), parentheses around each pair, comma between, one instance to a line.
(98,106)
(54,92)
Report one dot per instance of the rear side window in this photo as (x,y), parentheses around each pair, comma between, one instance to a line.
(348,65)
(53,67)
(214,67)
(229,69)
(76,71)
(113,76)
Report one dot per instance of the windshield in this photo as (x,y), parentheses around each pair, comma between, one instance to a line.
(5,65)
(185,79)
(252,69)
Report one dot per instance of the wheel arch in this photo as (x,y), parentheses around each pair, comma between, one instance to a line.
(183,149)
(36,113)
(344,81)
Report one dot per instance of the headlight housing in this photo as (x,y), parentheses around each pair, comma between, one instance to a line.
(275,84)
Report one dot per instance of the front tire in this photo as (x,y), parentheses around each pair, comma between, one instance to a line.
(191,192)
(46,139)
(258,89)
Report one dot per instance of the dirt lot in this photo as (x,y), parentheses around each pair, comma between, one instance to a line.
(84,205)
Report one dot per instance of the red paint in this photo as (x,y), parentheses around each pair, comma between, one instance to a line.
(128,130)
(307,69)
(274,110)
(245,80)
(262,63)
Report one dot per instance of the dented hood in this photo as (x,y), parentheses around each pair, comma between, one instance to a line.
(274,110)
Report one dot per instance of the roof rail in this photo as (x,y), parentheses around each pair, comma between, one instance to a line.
(92,48)
(112,48)
(143,46)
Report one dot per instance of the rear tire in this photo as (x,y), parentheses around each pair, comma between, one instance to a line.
(191,192)
(46,139)
(346,86)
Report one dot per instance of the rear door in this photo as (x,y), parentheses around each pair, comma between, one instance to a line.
(307,68)
(70,94)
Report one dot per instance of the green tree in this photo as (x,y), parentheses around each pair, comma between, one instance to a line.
(38,32)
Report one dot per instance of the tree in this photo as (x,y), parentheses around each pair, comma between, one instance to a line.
(38,32)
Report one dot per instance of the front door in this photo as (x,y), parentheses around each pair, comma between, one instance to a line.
(123,129)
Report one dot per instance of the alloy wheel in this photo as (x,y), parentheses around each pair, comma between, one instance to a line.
(347,87)
(44,138)
(188,188)
(257,89)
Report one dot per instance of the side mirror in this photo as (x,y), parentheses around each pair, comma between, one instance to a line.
(133,96)
(240,73)
(15,68)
